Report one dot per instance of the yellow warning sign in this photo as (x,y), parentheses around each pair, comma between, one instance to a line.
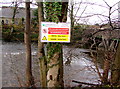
(58,39)
(58,36)
(44,38)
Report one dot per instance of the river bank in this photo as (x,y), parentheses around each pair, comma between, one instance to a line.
(13,65)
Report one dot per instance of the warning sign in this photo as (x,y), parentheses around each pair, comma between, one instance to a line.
(44,38)
(58,30)
(55,32)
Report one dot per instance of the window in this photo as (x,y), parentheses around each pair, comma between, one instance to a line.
(2,22)
(6,21)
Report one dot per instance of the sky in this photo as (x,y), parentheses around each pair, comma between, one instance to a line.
(97,7)
(89,10)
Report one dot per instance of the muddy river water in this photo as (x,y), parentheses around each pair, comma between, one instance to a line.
(77,65)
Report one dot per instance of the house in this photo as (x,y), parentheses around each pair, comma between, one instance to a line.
(7,14)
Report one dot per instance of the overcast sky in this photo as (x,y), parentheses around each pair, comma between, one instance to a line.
(98,7)
(92,7)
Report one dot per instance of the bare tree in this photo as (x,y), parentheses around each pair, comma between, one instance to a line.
(115,79)
(27,40)
(110,45)
(15,10)
(41,54)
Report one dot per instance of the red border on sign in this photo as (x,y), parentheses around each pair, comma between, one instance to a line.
(58,30)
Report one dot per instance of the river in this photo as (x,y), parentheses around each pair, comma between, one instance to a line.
(80,66)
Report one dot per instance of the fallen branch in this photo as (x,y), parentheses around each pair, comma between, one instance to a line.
(98,85)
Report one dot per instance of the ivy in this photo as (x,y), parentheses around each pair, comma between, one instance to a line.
(53,11)
(53,48)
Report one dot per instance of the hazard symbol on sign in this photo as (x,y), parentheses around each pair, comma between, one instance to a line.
(44,38)
(44,30)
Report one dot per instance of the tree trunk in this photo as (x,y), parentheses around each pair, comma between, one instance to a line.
(13,17)
(72,17)
(106,71)
(29,78)
(55,56)
(63,17)
(55,66)
(115,78)
(14,12)
(41,55)
(72,20)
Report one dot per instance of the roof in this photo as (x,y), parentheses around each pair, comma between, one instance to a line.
(7,12)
